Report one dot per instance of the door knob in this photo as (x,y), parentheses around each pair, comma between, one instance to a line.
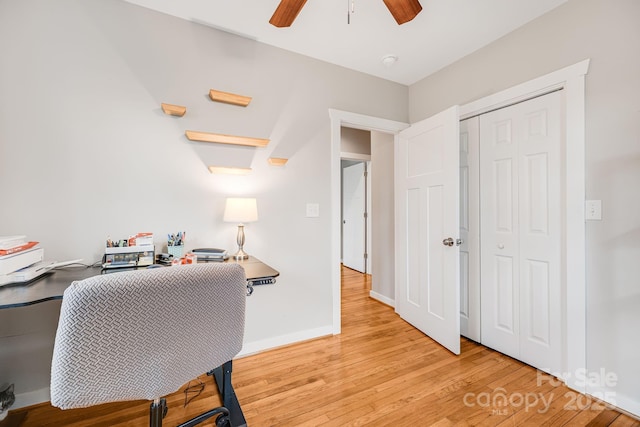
(450,242)
(500,246)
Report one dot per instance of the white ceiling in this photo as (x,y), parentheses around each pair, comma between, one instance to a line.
(445,30)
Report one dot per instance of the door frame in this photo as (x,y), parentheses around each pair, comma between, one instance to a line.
(572,80)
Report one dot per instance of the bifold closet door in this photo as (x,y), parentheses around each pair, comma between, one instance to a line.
(469,229)
(520,205)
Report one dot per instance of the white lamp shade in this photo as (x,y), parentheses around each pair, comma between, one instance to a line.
(238,209)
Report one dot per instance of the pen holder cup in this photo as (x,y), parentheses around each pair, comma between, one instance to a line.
(176,251)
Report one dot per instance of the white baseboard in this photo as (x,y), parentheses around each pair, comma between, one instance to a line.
(629,405)
(385,300)
(31,398)
(254,347)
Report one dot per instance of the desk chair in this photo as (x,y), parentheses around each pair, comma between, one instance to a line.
(143,334)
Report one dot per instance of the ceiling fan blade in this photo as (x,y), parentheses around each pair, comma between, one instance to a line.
(286,13)
(403,10)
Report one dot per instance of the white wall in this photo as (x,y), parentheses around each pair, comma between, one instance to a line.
(356,141)
(607,32)
(382,218)
(86,153)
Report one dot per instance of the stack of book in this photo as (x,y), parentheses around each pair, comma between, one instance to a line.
(17,253)
(210,254)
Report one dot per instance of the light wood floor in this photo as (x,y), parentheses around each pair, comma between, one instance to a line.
(380,372)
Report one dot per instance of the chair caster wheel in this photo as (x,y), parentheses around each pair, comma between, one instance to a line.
(223,421)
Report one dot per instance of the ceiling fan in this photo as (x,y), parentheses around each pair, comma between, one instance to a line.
(402,11)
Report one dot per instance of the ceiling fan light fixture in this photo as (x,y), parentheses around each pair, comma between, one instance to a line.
(389,60)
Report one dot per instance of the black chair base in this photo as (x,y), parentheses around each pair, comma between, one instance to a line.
(222,375)
(229,415)
(157,411)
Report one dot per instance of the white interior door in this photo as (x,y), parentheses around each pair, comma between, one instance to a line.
(427,215)
(470,228)
(353,220)
(521,205)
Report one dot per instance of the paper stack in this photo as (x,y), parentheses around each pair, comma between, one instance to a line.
(16,253)
(211,254)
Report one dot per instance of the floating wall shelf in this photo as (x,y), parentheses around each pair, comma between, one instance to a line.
(229,98)
(277,161)
(225,139)
(229,171)
(174,110)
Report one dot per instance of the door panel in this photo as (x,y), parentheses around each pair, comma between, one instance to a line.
(500,310)
(520,226)
(537,192)
(540,242)
(427,212)
(503,183)
(435,255)
(415,269)
(506,309)
(353,227)
(536,285)
(469,229)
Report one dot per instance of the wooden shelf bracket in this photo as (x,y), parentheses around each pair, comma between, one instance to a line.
(229,98)
(277,161)
(173,110)
(229,171)
(226,139)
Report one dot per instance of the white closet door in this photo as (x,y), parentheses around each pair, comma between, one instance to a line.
(499,232)
(469,229)
(520,165)
(540,233)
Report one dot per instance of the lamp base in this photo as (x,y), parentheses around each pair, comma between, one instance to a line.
(240,255)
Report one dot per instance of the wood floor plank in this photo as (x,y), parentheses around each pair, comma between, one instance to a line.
(380,371)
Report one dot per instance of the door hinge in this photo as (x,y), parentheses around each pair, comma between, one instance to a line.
(366,255)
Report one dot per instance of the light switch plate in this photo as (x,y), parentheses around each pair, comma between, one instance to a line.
(593,210)
(313,210)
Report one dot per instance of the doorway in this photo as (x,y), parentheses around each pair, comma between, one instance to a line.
(340,120)
(355,200)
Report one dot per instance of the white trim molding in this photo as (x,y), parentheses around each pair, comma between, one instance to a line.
(254,347)
(344,155)
(383,299)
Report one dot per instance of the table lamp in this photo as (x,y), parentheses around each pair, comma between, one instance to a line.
(240,210)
